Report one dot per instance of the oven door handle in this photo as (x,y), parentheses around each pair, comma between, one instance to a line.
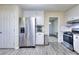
(67,35)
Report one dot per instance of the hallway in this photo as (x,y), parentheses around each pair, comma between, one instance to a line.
(53,39)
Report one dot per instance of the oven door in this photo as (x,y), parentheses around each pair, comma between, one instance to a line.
(68,39)
(65,38)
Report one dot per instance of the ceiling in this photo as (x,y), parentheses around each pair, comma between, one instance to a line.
(47,7)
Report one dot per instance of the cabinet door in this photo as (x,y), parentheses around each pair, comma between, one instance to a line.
(39,38)
(39,20)
(72,18)
(76,43)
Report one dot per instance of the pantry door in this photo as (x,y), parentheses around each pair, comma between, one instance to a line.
(1,31)
(5,30)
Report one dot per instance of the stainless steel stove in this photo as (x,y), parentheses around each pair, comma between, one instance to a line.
(68,40)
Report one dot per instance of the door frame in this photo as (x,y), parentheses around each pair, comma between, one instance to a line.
(58,25)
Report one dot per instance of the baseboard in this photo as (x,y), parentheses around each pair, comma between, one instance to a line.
(27,47)
(16,48)
(40,45)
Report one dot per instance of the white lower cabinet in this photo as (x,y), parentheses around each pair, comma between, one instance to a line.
(39,38)
(76,42)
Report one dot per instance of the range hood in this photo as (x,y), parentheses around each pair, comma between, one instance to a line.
(73,21)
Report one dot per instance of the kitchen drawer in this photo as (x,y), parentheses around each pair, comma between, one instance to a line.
(39,41)
(39,34)
(39,38)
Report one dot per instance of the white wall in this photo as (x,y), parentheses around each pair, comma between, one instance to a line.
(12,17)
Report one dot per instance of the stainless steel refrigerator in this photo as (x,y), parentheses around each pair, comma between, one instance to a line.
(28,39)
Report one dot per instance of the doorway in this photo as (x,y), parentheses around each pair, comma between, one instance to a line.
(53,29)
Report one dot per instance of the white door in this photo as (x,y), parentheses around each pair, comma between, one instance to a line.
(0,31)
(6,30)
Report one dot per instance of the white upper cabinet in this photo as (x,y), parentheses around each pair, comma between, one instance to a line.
(72,18)
(38,14)
(39,20)
(72,14)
